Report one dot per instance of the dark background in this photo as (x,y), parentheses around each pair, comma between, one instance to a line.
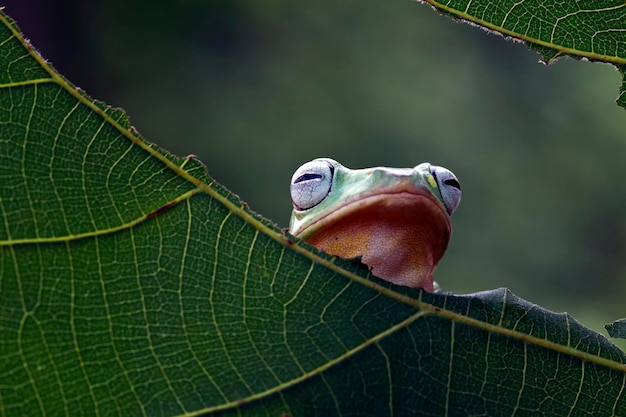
(255,89)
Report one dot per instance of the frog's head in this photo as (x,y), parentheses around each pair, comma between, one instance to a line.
(397,220)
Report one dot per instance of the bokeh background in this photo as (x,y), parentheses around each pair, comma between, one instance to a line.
(255,89)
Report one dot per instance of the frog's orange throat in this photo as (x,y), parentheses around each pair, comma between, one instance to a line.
(400,236)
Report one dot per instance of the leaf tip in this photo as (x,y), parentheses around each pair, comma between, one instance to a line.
(617,329)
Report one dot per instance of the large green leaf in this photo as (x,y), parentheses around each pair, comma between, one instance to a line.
(592,30)
(132,284)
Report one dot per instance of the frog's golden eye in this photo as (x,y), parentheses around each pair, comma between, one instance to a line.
(448,186)
(311,183)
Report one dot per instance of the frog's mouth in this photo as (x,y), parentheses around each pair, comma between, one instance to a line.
(400,233)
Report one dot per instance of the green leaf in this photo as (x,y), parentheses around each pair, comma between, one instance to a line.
(132,284)
(621,99)
(617,329)
(595,31)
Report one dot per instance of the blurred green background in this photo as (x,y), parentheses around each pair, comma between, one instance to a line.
(255,89)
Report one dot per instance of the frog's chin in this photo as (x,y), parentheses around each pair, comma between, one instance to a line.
(400,236)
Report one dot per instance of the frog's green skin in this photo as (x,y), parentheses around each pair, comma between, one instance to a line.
(397,220)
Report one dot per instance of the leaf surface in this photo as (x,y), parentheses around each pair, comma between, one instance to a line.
(132,284)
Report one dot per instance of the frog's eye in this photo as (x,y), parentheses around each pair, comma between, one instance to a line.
(311,183)
(448,186)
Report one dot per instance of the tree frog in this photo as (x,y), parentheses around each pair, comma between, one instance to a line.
(396,220)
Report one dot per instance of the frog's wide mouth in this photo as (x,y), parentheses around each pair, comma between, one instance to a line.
(416,202)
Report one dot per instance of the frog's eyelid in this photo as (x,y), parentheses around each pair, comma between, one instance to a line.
(449,187)
(311,183)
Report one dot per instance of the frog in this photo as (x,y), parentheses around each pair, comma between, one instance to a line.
(396,221)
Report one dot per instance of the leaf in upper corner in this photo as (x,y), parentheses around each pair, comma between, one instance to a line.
(591,30)
(617,329)
(132,284)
